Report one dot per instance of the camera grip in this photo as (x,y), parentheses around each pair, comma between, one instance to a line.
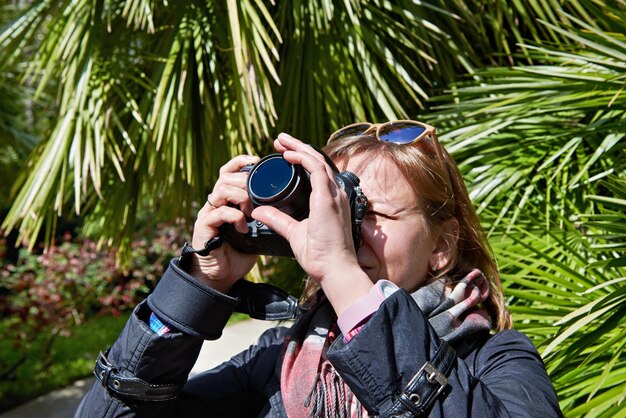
(259,239)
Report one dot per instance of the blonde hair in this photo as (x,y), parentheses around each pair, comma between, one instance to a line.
(442,195)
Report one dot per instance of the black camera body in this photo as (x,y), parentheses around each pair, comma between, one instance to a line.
(274,181)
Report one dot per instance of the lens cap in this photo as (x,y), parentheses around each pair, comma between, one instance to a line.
(270,178)
(276,182)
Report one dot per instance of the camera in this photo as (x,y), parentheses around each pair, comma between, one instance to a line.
(274,181)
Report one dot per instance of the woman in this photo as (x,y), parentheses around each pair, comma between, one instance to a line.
(404,327)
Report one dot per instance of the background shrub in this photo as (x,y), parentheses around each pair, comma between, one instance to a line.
(61,306)
(54,307)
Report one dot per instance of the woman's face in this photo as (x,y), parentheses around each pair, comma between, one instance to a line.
(395,242)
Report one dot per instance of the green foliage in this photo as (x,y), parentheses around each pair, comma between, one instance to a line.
(608,223)
(47,295)
(17,125)
(543,133)
(150,98)
(55,305)
(542,149)
(572,306)
(14,136)
(71,357)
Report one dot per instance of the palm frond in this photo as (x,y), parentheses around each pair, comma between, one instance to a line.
(550,130)
(573,309)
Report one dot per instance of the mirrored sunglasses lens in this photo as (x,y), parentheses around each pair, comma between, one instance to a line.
(349,131)
(401,133)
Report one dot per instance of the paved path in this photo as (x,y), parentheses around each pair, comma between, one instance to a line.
(62,403)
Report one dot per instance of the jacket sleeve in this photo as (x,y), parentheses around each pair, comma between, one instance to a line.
(504,378)
(141,359)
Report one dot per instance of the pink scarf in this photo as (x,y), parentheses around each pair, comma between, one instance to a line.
(310,385)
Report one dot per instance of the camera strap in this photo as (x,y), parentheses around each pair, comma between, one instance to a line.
(212,244)
(257,300)
(264,301)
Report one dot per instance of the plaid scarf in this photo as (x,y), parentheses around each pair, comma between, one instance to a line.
(310,385)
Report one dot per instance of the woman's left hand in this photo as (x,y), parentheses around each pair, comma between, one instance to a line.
(322,243)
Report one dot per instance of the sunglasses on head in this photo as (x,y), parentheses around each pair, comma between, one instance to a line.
(398,132)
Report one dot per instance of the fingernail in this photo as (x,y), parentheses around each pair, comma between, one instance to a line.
(285,135)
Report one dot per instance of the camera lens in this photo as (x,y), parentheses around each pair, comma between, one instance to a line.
(275,182)
(269,179)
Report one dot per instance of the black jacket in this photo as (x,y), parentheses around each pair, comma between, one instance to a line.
(499,375)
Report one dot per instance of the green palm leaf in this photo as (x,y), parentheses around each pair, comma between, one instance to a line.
(549,131)
(150,98)
(575,312)
(542,148)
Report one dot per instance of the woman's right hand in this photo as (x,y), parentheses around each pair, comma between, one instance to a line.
(225,265)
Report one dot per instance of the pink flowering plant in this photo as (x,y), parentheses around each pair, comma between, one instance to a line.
(45,295)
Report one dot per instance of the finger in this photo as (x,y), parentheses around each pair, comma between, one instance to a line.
(230,187)
(279,146)
(216,217)
(278,221)
(311,163)
(290,144)
(207,223)
(237,163)
(237,179)
(325,192)
(285,142)
(238,196)
(224,194)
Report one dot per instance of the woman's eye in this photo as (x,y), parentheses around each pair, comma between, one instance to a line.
(374,214)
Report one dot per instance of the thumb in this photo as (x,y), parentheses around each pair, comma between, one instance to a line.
(278,221)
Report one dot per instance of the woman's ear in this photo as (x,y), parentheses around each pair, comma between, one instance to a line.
(445,248)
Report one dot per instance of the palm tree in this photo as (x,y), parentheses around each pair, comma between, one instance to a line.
(566,289)
(542,147)
(151,98)
(15,137)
